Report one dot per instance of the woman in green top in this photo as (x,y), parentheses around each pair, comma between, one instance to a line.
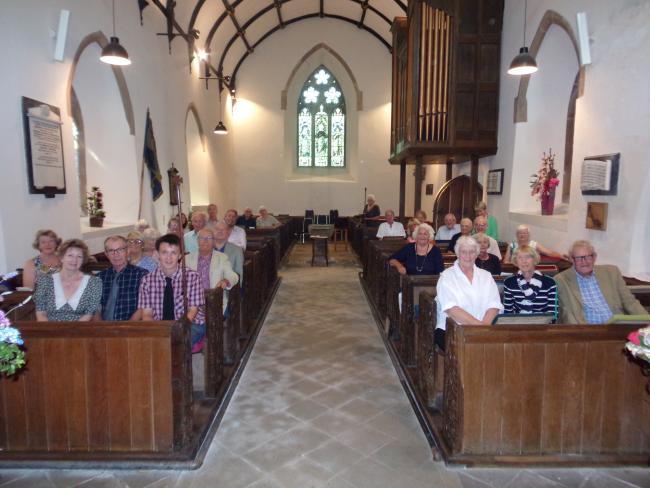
(492,227)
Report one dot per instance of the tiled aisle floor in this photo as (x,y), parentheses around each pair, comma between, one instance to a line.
(319,404)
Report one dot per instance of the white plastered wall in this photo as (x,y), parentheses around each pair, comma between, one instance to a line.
(262,160)
(612,116)
(156,80)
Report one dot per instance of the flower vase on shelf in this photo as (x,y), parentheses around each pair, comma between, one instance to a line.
(548,201)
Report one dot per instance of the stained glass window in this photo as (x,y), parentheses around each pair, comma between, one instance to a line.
(321,121)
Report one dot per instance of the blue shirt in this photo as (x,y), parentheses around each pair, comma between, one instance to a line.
(595,306)
(128,283)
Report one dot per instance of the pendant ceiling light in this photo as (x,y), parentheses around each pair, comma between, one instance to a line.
(523,63)
(113,52)
(220,128)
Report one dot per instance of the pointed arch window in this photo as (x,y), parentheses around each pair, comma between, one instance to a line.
(321,122)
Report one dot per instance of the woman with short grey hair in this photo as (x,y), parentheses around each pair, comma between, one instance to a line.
(485,260)
(465,292)
(529,291)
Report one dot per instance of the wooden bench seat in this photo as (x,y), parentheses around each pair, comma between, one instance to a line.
(561,394)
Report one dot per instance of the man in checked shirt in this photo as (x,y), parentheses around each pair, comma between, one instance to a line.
(120,283)
(161,291)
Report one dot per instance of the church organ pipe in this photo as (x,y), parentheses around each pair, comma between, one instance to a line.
(434,74)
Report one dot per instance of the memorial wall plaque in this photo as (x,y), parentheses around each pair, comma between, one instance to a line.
(43,148)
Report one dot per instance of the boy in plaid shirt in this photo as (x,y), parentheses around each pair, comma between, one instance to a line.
(161,291)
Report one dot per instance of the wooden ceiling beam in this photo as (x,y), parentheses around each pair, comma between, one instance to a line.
(240,32)
(278,4)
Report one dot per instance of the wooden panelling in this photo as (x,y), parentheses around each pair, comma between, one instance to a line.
(86,388)
(446,81)
(548,397)
(98,434)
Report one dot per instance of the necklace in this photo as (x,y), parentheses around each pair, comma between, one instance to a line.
(421,267)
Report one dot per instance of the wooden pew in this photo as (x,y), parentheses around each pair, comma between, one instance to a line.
(377,270)
(561,394)
(412,287)
(109,390)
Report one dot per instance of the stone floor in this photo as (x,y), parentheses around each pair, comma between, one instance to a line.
(319,405)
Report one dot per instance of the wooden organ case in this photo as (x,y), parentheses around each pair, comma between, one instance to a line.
(445,87)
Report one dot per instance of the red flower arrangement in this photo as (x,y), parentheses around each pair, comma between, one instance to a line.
(546,178)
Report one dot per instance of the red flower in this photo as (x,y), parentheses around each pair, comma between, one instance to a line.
(633,337)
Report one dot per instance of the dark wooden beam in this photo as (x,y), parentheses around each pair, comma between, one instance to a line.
(291,21)
(449,173)
(473,180)
(419,179)
(402,188)
(321,9)
(364,8)
(240,32)
(278,4)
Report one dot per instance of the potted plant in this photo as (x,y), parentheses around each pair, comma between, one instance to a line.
(96,211)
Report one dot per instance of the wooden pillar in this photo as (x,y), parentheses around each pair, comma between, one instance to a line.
(402,187)
(473,182)
(417,201)
(449,170)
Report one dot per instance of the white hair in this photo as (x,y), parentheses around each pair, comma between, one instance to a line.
(468,243)
(429,229)
(370,197)
(262,207)
(522,227)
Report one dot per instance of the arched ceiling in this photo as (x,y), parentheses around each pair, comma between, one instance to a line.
(231,30)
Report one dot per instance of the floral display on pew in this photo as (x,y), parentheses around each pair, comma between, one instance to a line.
(639,344)
(544,183)
(12,357)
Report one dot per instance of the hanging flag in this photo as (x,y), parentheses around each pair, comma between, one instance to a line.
(150,158)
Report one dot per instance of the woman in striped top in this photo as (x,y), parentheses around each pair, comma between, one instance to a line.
(529,291)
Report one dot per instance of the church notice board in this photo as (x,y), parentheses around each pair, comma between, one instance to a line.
(43,148)
(600,174)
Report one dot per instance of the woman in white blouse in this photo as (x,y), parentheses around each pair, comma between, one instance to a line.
(465,292)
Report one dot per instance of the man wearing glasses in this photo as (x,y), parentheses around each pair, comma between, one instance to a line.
(120,282)
(591,294)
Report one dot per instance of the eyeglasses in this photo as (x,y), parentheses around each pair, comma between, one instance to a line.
(116,250)
(135,241)
(582,259)
(206,238)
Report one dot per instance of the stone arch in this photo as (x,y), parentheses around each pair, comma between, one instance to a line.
(550,18)
(321,54)
(100,39)
(309,54)
(191,108)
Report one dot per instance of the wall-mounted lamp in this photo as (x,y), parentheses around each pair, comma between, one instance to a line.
(113,52)
(523,63)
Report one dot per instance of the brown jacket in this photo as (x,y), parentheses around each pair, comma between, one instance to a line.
(619,298)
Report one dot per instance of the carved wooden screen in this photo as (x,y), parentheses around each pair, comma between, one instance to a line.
(454,197)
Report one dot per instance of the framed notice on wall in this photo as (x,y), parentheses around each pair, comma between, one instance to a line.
(43,148)
(494,184)
(600,174)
